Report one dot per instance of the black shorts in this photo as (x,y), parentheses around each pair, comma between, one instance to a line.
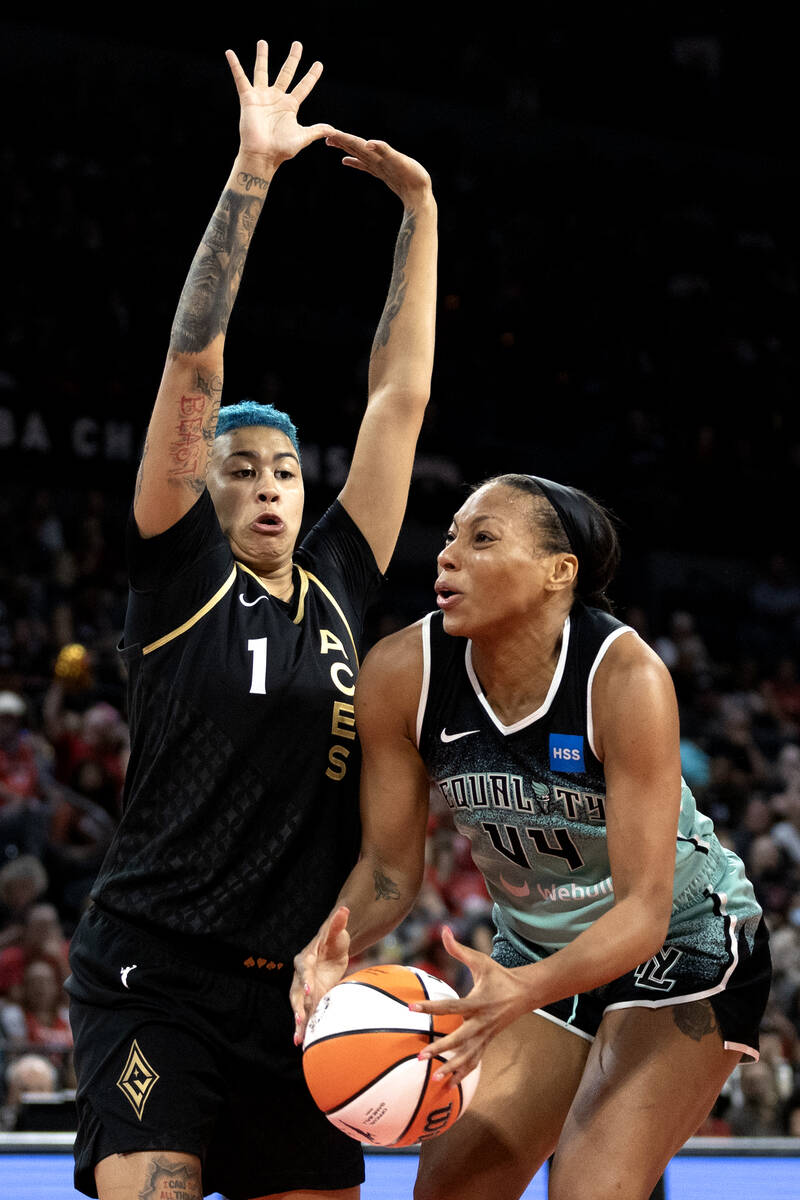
(735,979)
(173,1056)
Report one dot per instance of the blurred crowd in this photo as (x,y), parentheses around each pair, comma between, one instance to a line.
(619,307)
(64,746)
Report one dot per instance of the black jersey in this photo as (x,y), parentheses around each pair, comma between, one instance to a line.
(240,813)
(531,796)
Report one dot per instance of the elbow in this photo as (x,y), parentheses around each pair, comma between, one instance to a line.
(403,403)
(649,926)
(658,930)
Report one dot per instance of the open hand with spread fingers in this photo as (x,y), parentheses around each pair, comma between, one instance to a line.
(407,178)
(268,125)
(497,998)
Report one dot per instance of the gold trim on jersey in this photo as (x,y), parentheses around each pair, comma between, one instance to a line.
(301,599)
(215,599)
(335,604)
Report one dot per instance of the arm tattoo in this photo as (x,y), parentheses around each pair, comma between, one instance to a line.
(385,888)
(172,1181)
(214,276)
(695,1019)
(251,181)
(194,434)
(397,288)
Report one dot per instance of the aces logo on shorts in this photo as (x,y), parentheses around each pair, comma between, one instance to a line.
(137,1079)
(566,753)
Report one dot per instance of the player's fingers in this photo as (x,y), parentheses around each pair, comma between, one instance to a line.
(260,71)
(312,133)
(453,1043)
(455,1069)
(452,1005)
(347,141)
(309,80)
(359,166)
(296,999)
(338,921)
(286,73)
(237,70)
(456,949)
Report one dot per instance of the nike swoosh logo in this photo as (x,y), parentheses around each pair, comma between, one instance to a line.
(250,603)
(453,737)
(515,891)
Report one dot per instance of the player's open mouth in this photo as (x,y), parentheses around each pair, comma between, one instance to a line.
(267,523)
(446,597)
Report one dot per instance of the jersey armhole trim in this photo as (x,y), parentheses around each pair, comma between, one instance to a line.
(198,616)
(426,674)
(601,653)
(333,601)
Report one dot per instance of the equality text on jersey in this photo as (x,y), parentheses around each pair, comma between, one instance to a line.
(498,789)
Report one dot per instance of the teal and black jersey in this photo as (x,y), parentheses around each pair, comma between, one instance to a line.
(240,816)
(531,796)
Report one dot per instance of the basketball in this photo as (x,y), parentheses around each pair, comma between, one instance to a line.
(360,1058)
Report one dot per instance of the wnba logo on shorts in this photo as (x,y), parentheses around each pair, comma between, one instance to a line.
(566,752)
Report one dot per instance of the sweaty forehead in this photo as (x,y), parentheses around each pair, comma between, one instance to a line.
(493,500)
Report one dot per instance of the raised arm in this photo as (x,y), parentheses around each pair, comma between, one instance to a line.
(383,885)
(173,469)
(401,361)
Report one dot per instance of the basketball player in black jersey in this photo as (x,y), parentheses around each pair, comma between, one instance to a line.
(240,819)
(631,967)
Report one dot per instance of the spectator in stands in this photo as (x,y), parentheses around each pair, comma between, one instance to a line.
(97,735)
(22,786)
(786,832)
(23,881)
(684,652)
(42,939)
(781,692)
(40,1021)
(29,1073)
(756,1110)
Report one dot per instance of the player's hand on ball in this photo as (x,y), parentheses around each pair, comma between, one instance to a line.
(318,967)
(497,998)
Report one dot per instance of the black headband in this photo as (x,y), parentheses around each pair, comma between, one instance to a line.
(573,512)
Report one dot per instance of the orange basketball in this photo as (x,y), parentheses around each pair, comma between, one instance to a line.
(360,1058)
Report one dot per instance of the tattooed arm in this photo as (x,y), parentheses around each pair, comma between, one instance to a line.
(382,887)
(401,362)
(180,436)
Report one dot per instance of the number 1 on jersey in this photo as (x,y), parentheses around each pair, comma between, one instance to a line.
(258,682)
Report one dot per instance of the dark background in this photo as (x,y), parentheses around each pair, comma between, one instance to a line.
(618,194)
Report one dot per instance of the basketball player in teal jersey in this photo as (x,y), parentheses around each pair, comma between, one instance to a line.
(630,968)
(240,818)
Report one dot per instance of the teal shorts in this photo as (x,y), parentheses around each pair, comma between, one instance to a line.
(717,959)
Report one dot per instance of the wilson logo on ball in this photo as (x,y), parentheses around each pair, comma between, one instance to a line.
(360,1058)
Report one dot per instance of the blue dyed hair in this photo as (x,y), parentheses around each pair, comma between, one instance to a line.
(249,412)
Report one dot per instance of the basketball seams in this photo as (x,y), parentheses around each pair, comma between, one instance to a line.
(425,1034)
(383,991)
(398,1062)
(376,1109)
(423,1091)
